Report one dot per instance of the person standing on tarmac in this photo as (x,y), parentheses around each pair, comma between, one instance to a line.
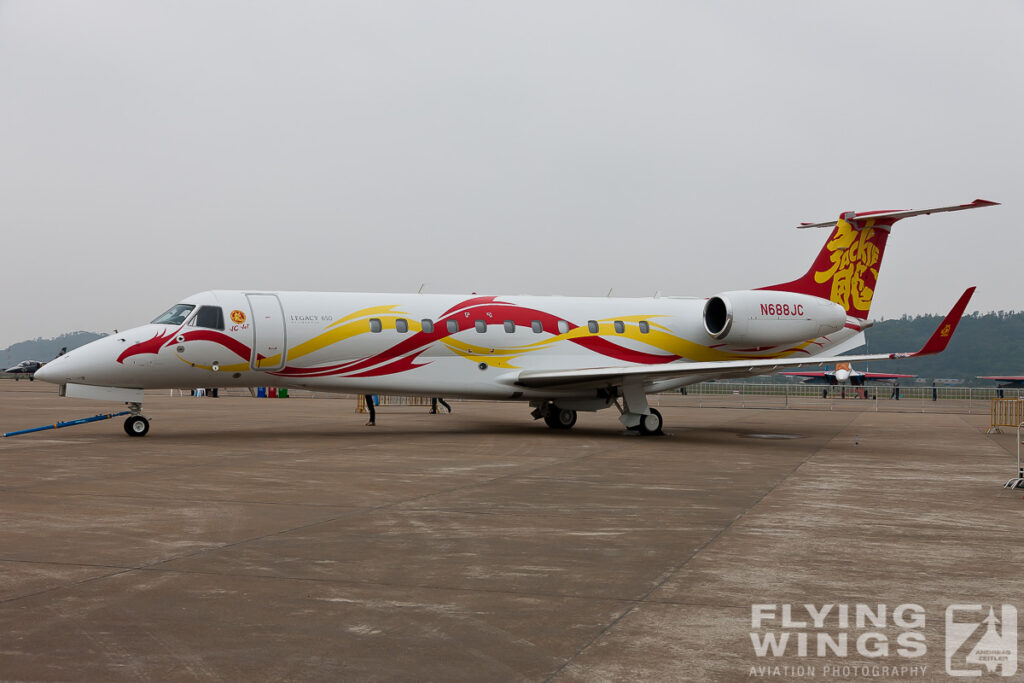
(433,405)
(373,413)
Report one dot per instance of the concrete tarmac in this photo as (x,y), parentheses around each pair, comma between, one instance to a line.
(249,539)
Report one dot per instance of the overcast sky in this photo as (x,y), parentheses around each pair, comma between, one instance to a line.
(151,150)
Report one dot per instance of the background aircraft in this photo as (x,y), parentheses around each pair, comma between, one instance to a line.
(844,372)
(24,368)
(1010,382)
(559,354)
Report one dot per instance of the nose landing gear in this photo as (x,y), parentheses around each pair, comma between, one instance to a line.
(136,424)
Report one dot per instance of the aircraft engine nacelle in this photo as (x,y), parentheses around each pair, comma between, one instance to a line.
(761,318)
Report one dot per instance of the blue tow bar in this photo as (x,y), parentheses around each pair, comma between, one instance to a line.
(69,423)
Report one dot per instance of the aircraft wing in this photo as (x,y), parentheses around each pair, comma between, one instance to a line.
(815,377)
(856,377)
(877,376)
(617,376)
(882,376)
(1011,382)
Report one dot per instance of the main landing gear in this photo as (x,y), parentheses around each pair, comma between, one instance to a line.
(649,425)
(635,414)
(136,424)
(560,418)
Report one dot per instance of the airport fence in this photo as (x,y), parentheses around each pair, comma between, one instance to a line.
(918,399)
(925,399)
(390,400)
(1005,405)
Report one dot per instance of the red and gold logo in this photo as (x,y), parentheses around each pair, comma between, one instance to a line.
(237,316)
(854,256)
(946,331)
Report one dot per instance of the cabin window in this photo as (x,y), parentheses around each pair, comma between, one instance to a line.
(402,325)
(510,326)
(563,327)
(428,325)
(375,325)
(537,326)
(210,317)
(620,327)
(175,315)
(593,326)
(453,326)
(645,327)
(480,325)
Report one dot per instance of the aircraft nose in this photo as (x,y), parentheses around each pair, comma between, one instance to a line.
(842,375)
(47,374)
(76,366)
(53,372)
(97,363)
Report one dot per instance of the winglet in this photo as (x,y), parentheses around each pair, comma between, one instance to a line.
(944,332)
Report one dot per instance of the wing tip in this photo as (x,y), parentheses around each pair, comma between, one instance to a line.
(942,335)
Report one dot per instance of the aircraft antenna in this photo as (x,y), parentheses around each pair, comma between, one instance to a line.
(610,290)
(420,290)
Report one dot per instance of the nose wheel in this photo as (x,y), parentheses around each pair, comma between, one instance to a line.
(136,425)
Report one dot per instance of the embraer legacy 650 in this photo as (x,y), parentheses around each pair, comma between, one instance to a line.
(560,354)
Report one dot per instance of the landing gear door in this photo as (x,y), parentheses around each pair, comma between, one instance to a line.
(268,334)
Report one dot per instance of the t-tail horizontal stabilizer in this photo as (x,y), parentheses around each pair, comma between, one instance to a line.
(846,269)
(859,220)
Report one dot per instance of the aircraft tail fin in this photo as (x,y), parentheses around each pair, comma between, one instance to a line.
(846,269)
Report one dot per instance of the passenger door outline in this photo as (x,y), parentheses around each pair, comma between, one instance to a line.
(269,333)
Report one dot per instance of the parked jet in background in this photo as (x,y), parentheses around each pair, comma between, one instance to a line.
(25,367)
(844,372)
(560,354)
(1010,381)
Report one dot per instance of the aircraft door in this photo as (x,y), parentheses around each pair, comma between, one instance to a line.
(268,333)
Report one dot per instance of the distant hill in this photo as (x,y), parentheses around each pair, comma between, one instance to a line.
(45,349)
(984,344)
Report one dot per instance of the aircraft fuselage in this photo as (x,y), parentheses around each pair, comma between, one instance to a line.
(426,344)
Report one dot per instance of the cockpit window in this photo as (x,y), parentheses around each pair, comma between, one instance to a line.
(175,315)
(210,317)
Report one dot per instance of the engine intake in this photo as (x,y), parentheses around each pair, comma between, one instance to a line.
(762,318)
(718,316)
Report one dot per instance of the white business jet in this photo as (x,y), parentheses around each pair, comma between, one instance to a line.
(560,354)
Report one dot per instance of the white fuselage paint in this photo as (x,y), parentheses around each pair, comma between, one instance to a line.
(467,363)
